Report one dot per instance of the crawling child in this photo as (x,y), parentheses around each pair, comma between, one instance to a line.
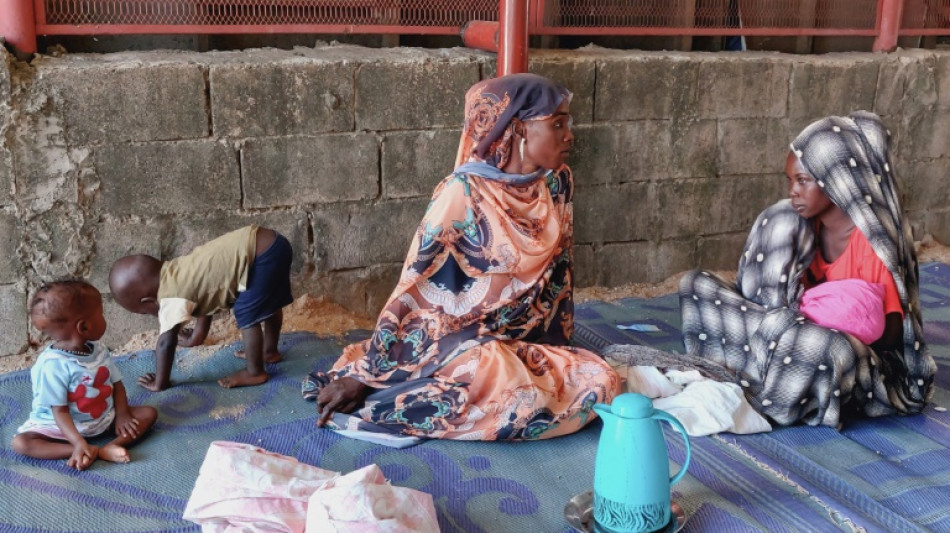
(77,390)
(247,270)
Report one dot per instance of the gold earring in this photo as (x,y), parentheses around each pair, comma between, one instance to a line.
(521,149)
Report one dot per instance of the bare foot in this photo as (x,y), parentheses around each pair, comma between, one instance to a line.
(272,357)
(114,453)
(242,379)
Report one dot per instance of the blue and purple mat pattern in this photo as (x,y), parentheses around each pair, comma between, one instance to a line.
(883,475)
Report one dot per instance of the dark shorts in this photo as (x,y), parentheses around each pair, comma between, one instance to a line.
(268,285)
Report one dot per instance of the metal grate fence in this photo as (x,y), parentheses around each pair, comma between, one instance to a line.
(926,17)
(710,17)
(287,16)
(19,18)
(550,16)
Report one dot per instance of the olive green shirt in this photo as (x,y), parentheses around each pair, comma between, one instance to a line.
(206,280)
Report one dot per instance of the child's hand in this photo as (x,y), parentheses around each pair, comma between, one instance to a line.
(83,455)
(150,382)
(188,337)
(184,337)
(126,426)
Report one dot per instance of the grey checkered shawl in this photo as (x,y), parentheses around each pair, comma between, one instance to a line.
(792,369)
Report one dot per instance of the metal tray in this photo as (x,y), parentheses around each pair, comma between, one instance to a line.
(579,513)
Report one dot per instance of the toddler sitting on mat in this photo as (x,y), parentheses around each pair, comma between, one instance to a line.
(247,270)
(77,390)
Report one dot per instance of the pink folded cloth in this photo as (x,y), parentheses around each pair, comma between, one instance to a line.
(853,306)
(243,488)
(362,502)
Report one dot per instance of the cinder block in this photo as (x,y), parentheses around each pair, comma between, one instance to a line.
(720,252)
(360,235)
(753,146)
(694,151)
(906,82)
(644,150)
(14,322)
(55,244)
(415,162)
(135,101)
(671,257)
(573,72)
(832,85)
(169,177)
(122,325)
(643,261)
(711,206)
(936,223)
(10,235)
(404,95)
(616,153)
(6,122)
(47,171)
(926,184)
(282,98)
(730,86)
(306,170)
(6,169)
(926,134)
(640,86)
(182,234)
(6,64)
(586,268)
(118,238)
(746,197)
(889,97)
(942,72)
(688,205)
(362,290)
(614,213)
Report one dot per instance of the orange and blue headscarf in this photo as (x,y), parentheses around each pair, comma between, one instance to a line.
(490,107)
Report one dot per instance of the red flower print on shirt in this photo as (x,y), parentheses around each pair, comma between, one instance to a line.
(96,405)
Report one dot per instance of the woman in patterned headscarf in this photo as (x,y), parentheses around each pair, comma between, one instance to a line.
(472,343)
(843,220)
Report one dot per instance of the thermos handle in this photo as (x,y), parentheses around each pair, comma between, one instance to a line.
(661,415)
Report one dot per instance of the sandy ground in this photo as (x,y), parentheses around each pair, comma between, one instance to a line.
(326,318)
(307,313)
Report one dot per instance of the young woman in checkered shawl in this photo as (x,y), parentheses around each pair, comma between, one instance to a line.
(791,368)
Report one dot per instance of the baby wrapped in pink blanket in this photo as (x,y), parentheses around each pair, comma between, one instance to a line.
(853,306)
(245,488)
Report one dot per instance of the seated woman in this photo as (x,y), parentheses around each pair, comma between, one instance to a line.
(472,343)
(843,221)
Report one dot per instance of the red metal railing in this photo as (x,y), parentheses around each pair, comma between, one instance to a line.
(22,20)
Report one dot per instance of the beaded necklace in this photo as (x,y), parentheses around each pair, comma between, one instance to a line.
(78,353)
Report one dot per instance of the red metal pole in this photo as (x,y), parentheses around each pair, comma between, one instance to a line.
(512,37)
(481,35)
(890,14)
(18,25)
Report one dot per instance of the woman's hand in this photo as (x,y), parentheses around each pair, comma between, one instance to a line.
(341,395)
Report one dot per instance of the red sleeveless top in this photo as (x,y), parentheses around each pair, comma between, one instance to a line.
(859,261)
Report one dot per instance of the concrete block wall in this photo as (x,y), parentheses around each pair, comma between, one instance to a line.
(339,148)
